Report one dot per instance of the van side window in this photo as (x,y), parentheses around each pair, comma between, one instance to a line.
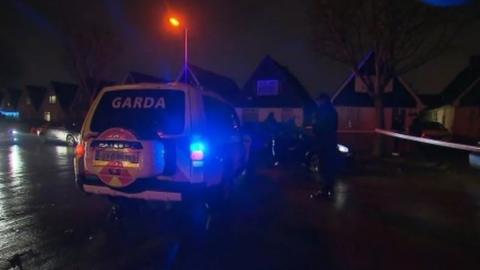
(221,118)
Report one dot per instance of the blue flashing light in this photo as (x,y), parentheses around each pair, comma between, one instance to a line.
(197,146)
(446,3)
(197,152)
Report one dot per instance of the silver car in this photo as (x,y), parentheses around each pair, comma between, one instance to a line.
(69,135)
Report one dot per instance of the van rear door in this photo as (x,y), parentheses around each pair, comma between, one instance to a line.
(130,124)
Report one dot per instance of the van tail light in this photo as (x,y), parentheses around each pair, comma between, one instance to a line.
(197,152)
(80,150)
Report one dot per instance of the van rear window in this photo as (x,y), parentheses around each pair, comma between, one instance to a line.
(145,112)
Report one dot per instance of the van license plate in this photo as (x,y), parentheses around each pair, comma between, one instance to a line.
(116,156)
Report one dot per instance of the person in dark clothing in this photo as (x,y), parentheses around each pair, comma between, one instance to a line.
(325,144)
(271,129)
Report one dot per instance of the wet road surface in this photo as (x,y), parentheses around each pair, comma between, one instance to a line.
(385,216)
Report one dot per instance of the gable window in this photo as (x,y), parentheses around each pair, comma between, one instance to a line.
(47,116)
(267,87)
(52,99)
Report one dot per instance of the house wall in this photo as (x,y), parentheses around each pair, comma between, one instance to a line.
(6,104)
(444,115)
(27,111)
(356,126)
(253,114)
(56,112)
(363,118)
(467,122)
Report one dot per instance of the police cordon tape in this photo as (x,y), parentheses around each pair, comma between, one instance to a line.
(458,146)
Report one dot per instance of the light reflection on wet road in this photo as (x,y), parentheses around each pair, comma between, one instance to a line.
(417,220)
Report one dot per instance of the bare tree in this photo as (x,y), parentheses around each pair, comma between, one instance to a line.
(91,52)
(401,34)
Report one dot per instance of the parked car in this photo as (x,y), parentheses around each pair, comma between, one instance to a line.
(431,130)
(67,134)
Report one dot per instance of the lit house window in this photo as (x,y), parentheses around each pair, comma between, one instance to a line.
(47,116)
(52,99)
(267,87)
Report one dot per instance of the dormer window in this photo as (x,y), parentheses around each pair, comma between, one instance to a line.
(267,87)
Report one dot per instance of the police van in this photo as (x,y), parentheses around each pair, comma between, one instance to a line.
(163,142)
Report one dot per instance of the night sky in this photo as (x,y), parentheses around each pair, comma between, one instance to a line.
(228,37)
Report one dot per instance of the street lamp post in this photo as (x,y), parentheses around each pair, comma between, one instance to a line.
(185,56)
(176,23)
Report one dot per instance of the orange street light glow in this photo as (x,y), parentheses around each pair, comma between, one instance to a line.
(174,21)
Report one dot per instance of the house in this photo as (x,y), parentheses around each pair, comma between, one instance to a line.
(273,89)
(466,123)
(9,102)
(356,112)
(459,107)
(219,84)
(50,104)
(436,110)
(58,100)
(10,98)
(31,102)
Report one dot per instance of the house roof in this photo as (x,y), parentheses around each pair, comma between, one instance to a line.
(291,93)
(65,93)
(36,95)
(462,81)
(400,96)
(13,95)
(219,84)
(431,100)
(472,96)
(137,77)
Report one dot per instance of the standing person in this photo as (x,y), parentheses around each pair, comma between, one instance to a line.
(271,129)
(325,144)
